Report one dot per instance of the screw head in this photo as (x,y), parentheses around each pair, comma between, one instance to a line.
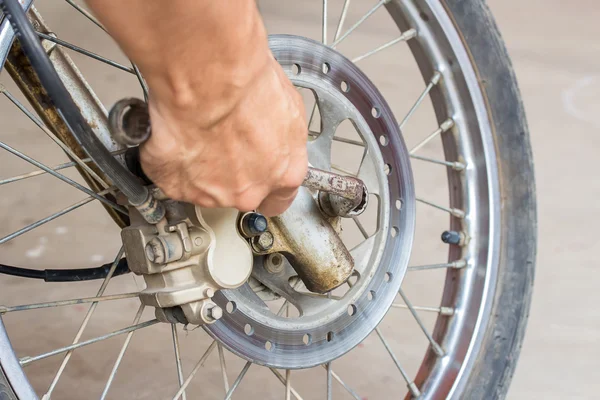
(265,241)
(155,252)
(215,313)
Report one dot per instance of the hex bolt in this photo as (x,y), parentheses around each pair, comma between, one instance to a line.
(215,312)
(253,224)
(264,242)
(451,237)
(155,251)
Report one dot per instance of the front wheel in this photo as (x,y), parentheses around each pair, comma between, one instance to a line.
(452,330)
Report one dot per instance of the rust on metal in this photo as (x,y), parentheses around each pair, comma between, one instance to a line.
(21,71)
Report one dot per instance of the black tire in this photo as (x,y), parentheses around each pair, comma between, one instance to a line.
(495,365)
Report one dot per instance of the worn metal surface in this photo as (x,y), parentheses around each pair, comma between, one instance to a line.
(340,195)
(20,70)
(310,243)
(380,254)
(186,257)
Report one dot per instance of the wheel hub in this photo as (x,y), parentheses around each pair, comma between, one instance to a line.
(331,325)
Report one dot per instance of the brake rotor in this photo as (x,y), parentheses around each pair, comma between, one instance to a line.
(329,327)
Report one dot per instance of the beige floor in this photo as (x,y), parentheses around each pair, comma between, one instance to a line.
(555,52)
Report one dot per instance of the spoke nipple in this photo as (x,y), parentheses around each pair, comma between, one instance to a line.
(438,350)
(3,309)
(447,124)
(414,390)
(447,311)
(459,264)
(457,213)
(458,166)
(451,237)
(436,77)
(409,34)
(2,88)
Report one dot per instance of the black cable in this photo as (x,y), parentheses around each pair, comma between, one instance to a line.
(124,180)
(67,275)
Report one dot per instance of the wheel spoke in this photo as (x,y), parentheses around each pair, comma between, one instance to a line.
(344,384)
(54,138)
(28,360)
(454,211)
(447,124)
(349,141)
(55,168)
(360,227)
(49,218)
(343,15)
(358,23)
(288,384)
(342,170)
(329,391)
(85,52)
(85,322)
(60,303)
(454,264)
(455,165)
(324,23)
(436,347)
(283,381)
(223,368)
(447,311)
(175,336)
(409,34)
(434,81)
(111,377)
(86,14)
(238,380)
(411,385)
(62,177)
(195,370)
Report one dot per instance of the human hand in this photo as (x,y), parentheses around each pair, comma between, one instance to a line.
(253,157)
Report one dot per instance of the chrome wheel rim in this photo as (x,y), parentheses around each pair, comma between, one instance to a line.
(474,198)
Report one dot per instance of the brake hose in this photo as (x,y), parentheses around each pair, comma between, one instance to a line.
(122,178)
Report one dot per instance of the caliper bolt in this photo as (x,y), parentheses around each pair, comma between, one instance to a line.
(264,242)
(215,312)
(253,224)
(155,251)
(451,237)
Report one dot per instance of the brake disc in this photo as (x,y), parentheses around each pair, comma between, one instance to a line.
(328,327)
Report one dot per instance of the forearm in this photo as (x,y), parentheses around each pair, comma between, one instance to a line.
(190,52)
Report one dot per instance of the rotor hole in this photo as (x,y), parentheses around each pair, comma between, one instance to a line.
(371,295)
(351,309)
(268,345)
(387,168)
(375,112)
(345,87)
(231,307)
(296,69)
(326,68)
(383,139)
(398,204)
(307,339)
(329,336)
(387,277)
(249,330)
(394,231)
